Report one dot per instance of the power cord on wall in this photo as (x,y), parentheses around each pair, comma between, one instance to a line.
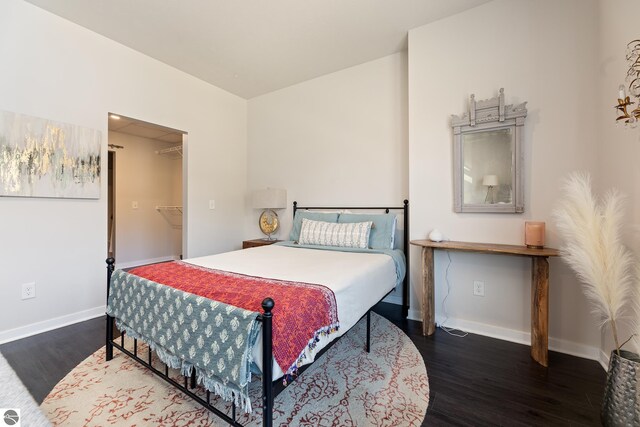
(451,331)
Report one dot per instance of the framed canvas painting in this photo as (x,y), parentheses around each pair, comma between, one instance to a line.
(44,158)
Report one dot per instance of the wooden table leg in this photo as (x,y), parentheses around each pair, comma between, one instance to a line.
(428,303)
(540,310)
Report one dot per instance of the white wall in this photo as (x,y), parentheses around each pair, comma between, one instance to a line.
(543,52)
(338,140)
(55,69)
(144,234)
(619,147)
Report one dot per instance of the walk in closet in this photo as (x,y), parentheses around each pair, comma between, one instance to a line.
(145,175)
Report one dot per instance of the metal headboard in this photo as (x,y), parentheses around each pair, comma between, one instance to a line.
(405,209)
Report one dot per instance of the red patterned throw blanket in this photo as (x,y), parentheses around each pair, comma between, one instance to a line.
(303,312)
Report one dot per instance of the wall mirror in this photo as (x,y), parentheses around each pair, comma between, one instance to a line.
(488,157)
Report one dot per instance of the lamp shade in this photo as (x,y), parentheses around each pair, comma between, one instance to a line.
(490,180)
(269,198)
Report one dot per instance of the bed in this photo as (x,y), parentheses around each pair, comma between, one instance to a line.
(218,336)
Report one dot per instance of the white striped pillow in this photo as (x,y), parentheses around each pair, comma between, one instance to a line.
(347,235)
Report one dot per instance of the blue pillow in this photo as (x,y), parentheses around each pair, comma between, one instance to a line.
(382,232)
(315,216)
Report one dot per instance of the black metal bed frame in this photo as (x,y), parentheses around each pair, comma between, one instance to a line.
(269,389)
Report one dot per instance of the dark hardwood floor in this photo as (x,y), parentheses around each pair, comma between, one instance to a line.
(474,381)
(481,381)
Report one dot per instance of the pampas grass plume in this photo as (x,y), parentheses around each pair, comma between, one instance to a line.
(591,230)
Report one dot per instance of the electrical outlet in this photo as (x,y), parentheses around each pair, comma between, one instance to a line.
(28,290)
(478,288)
(134,205)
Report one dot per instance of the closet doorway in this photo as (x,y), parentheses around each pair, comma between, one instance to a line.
(146,210)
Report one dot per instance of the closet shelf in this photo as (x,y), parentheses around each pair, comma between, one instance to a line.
(171,150)
(169,208)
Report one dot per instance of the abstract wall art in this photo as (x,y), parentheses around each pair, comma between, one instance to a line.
(44,158)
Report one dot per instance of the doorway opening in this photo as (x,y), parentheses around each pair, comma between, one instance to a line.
(146,198)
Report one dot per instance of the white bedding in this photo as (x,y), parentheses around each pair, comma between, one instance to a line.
(358,280)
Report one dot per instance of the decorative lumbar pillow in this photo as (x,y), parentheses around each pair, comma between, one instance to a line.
(316,216)
(347,235)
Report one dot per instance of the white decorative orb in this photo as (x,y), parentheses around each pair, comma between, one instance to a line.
(435,236)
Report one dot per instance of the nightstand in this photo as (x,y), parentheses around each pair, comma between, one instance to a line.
(258,242)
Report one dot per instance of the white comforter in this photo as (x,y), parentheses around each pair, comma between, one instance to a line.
(358,280)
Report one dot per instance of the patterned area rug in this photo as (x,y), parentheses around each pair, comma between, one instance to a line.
(345,387)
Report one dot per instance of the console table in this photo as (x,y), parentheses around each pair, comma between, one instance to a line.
(539,287)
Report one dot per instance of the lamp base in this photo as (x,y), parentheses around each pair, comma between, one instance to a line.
(490,196)
(269,223)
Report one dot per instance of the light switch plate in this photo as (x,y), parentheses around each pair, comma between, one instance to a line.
(212,204)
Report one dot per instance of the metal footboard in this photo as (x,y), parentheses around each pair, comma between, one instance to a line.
(190,382)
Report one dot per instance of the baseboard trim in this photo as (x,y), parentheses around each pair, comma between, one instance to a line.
(414,315)
(146,261)
(520,337)
(604,360)
(573,348)
(487,330)
(50,324)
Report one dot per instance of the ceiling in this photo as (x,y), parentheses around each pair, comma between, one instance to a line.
(135,127)
(252,47)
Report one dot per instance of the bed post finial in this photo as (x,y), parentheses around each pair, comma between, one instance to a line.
(267,360)
(267,305)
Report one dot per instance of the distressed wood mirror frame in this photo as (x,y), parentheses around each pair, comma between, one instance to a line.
(488,157)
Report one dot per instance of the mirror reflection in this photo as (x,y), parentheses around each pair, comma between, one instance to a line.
(488,166)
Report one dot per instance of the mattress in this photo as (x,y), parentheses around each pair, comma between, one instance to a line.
(358,280)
